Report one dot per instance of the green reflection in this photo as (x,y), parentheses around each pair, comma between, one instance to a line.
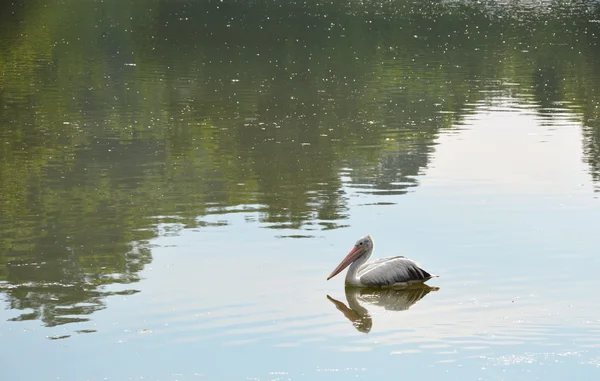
(116,116)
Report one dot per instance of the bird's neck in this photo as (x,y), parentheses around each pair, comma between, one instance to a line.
(352,273)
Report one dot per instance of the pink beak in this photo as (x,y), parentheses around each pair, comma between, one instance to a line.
(356,252)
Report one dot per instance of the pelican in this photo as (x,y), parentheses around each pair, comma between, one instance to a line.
(397,272)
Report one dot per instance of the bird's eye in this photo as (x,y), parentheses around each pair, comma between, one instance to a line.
(360,243)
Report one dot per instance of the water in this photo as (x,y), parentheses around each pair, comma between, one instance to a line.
(178,179)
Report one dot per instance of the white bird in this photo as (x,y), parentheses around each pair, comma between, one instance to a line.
(384,272)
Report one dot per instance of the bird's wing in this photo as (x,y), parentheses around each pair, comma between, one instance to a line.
(388,271)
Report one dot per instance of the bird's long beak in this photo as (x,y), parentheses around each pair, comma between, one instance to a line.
(356,252)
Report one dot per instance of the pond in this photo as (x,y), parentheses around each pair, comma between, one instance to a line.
(179,178)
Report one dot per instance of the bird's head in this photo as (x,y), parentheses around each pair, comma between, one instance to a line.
(361,247)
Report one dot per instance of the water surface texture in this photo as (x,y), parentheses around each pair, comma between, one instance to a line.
(178,178)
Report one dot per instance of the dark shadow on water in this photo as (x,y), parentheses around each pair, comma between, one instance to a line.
(390,299)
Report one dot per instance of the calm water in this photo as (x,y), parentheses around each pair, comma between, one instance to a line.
(178,178)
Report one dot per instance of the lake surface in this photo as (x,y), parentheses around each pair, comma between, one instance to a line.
(178,179)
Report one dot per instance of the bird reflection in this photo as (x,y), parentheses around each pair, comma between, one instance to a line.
(388,298)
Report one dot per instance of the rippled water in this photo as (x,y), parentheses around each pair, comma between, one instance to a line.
(177,180)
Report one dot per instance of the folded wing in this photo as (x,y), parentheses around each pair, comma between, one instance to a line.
(389,271)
